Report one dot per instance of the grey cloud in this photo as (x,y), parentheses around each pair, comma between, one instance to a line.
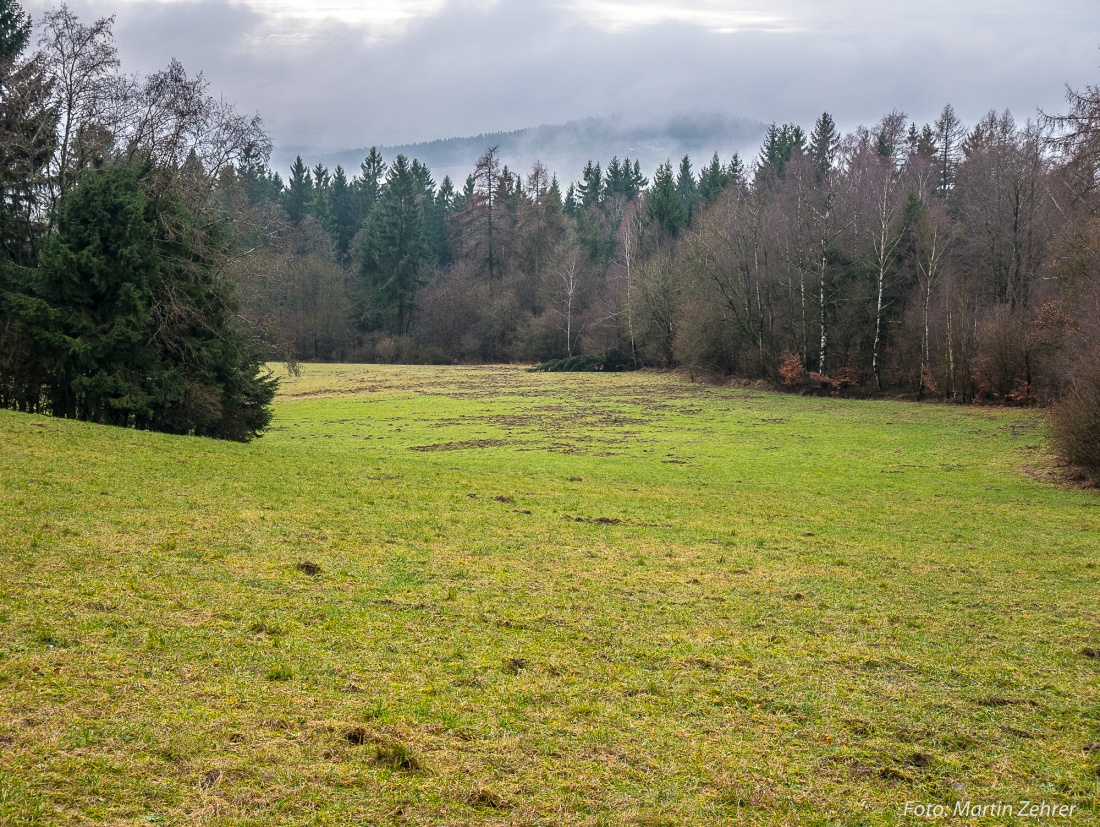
(473,68)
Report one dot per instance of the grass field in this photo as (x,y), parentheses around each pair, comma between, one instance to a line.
(483,596)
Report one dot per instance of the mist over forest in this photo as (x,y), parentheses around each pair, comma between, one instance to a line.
(563,147)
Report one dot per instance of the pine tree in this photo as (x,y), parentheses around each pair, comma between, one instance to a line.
(824,144)
(299,191)
(663,203)
(637,181)
(445,198)
(320,202)
(435,213)
(780,145)
(464,199)
(570,205)
(369,184)
(590,189)
(260,183)
(15,31)
(393,251)
(135,327)
(949,134)
(687,189)
(735,172)
(28,120)
(616,178)
(345,218)
(712,180)
(554,202)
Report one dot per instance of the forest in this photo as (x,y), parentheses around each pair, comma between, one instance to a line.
(945,261)
(941,261)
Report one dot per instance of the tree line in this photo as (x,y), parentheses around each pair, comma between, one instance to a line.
(938,260)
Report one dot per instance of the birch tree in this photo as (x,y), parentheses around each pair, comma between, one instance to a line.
(881,198)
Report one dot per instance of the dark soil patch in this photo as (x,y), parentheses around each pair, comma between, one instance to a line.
(1090,652)
(1017,733)
(210,779)
(598,520)
(995,701)
(513,666)
(891,774)
(356,736)
(501,498)
(460,446)
(919,759)
(308,568)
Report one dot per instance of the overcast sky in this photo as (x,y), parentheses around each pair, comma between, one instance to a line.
(350,73)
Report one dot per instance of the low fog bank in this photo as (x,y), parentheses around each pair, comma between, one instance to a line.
(563,148)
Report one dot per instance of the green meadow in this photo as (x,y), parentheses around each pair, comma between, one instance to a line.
(481,596)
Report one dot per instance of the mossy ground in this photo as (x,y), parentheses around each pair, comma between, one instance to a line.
(485,596)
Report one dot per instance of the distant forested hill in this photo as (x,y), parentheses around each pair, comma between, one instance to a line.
(563,148)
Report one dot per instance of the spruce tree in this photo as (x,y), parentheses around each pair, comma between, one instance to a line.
(615,179)
(712,180)
(345,218)
(780,145)
(637,181)
(687,189)
(369,184)
(590,189)
(824,144)
(320,202)
(570,206)
(445,198)
(554,202)
(663,203)
(15,30)
(949,134)
(393,251)
(735,172)
(299,191)
(131,322)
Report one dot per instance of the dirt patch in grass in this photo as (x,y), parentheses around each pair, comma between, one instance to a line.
(484,799)
(356,736)
(466,445)
(397,757)
(995,701)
